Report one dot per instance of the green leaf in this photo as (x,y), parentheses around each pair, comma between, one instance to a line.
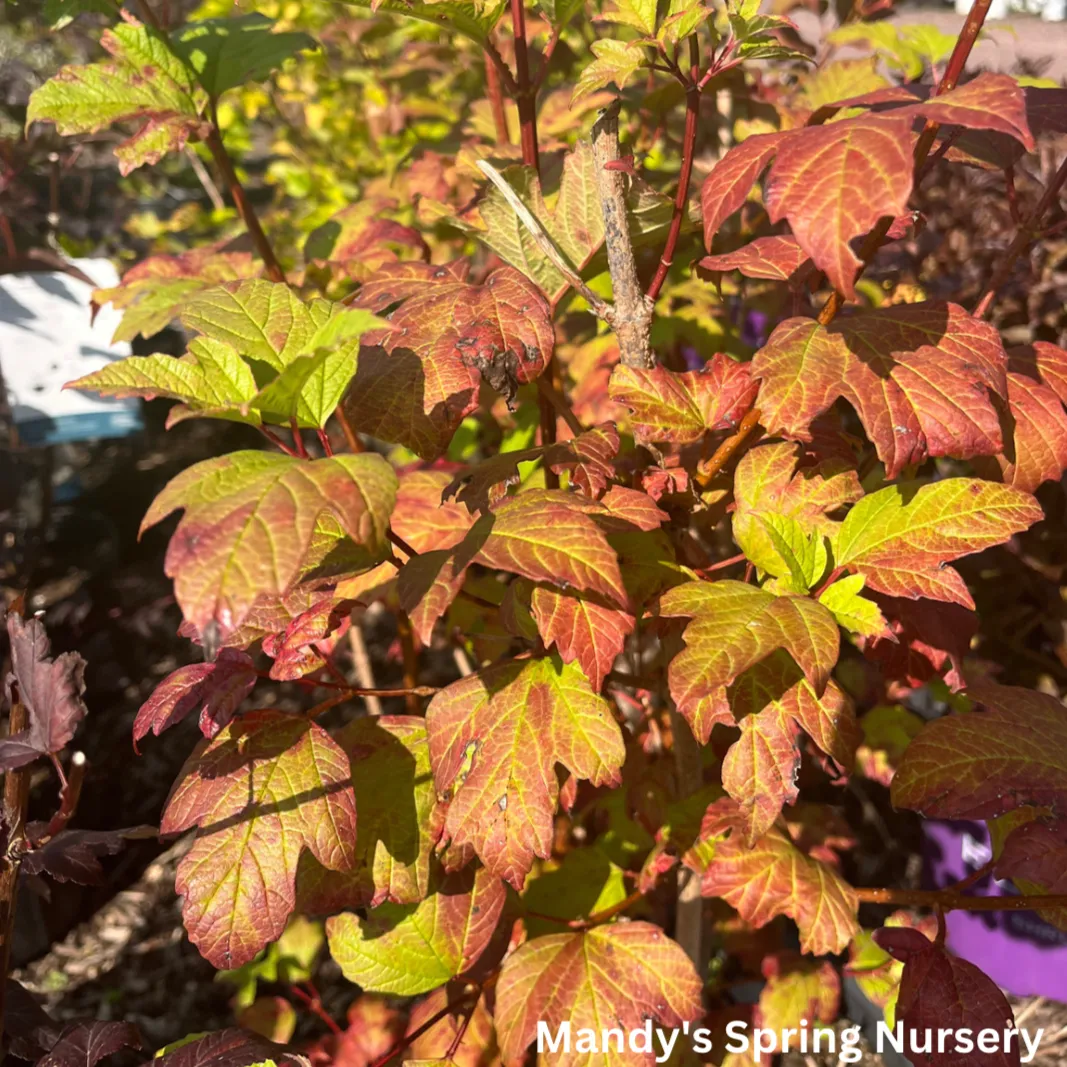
(798,556)
(639,14)
(616,63)
(853,612)
(228,52)
(411,949)
(250,521)
(586,882)
(289,960)
(309,389)
(902,537)
(144,81)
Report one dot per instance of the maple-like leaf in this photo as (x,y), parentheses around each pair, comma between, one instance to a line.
(614,63)
(620,974)
(939,991)
(901,538)
(302,647)
(833,182)
(395,797)
(145,81)
(772,495)
(853,612)
(1007,754)
(416,383)
(49,689)
(772,702)
(228,52)
(152,293)
(268,786)
(888,729)
(920,376)
(734,626)
(469,1033)
(496,738)
(72,855)
(581,629)
(411,949)
(778,259)
(773,878)
(249,522)
(218,687)
(547,536)
(681,407)
(473,19)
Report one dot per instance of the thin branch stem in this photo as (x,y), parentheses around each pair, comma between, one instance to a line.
(275,440)
(952,901)
(545,243)
(559,405)
(681,198)
(546,57)
(324,440)
(359,691)
(1023,239)
(243,205)
(525,91)
(298,438)
(596,918)
(494,90)
(729,447)
(409,1039)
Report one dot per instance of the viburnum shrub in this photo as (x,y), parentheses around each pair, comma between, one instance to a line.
(691,536)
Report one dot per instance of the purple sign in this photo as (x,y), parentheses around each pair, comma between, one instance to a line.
(1021,952)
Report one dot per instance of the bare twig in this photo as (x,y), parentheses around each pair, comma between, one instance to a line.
(600,308)
(632,311)
(729,447)
(205,179)
(362,667)
(495,91)
(690,910)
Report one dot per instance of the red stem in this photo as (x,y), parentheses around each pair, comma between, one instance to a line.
(495,91)
(324,440)
(681,199)
(526,91)
(950,901)
(275,440)
(830,579)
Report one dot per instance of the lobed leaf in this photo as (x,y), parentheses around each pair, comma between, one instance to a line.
(776,259)
(680,408)
(250,519)
(416,384)
(734,626)
(268,786)
(622,973)
(495,740)
(901,538)
(773,878)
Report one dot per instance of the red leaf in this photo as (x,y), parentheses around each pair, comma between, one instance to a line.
(942,993)
(228,1048)
(71,855)
(418,381)
(731,179)
(83,1044)
(778,259)
(49,689)
(297,651)
(218,687)
(1010,753)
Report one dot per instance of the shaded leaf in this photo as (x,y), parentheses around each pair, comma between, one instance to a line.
(1006,755)
(59,13)
(625,973)
(901,538)
(416,383)
(358,240)
(289,960)
(733,627)
(249,522)
(1034,857)
(49,689)
(471,1035)
(225,53)
(496,738)
(584,883)
(267,787)
(774,878)
(939,991)
(920,377)
(412,949)
(227,1048)
(218,687)
(72,855)
(471,18)
(681,407)
(302,647)
(888,729)
(799,994)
